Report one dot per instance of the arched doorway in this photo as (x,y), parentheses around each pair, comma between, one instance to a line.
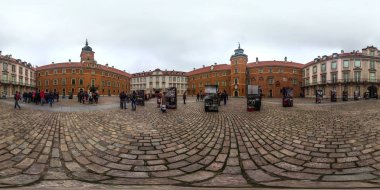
(372,91)
(270,93)
(236,93)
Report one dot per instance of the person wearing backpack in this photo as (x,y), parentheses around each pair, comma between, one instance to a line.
(17,98)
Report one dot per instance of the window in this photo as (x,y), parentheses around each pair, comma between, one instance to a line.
(102,73)
(346,64)
(314,69)
(372,76)
(314,79)
(72,70)
(55,82)
(20,70)
(92,82)
(372,53)
(72,81)
(270,80)
(294,81)
(109,83)
(280,70)
(5,67)
(357,76)
(295,71)
(357,63)
(63,81)
(13,68)
(372,64)
(55,71)
(93,72)
(323,78)
(346,76)
(225,73)
(334,77)
(260,70)
(39,83)
(216,74)
(236,80)
(63,71)
(80,71)
(236,62)
(236,70)
(270,70)
(80,81)
(333,65)
(46,73)
(46,82)
(323,67)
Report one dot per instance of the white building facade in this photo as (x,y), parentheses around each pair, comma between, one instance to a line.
(159,80)
(354,71)
(16,75)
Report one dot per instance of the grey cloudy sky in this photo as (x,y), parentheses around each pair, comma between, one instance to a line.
(181,34)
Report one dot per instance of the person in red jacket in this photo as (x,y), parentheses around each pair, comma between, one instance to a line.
(17,98)
(43,100)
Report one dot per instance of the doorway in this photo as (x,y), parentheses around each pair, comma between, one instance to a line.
(270,93)
(236,93)
(372,91)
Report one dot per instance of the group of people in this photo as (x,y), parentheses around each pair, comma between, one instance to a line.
(36,97)
(126,98)
(90,97)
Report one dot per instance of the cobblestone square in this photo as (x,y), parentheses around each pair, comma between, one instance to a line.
(329,145)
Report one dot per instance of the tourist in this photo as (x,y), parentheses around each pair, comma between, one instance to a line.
(133,99)
(96,97)
(184,98)
(224,97)
(17,98)
(50,98)
(42,96)
(57,95)
(30,97)
(198,97)
(122,97)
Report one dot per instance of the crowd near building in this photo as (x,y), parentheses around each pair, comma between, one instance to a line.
(350,72)
(158,80)
(15,75)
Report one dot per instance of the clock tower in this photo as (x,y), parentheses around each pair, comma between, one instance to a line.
(239,62)
(87,55)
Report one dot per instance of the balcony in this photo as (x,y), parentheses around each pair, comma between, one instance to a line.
(5,81)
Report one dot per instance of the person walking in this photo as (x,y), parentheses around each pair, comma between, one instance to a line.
(43,98)
(184,98)
(224,97)
(133,99)
(50,98)
(57,96)
(198,97)
(122,100)
(17,98)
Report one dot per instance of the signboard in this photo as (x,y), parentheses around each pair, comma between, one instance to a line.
(171,98)
(211,89)
(253,89)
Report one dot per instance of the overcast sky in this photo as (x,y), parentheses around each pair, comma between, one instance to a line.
(142,35)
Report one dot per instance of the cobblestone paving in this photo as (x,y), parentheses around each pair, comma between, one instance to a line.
(319,146)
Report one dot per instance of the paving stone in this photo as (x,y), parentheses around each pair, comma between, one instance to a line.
(197,176)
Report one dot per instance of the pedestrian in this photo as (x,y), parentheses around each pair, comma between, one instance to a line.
(96,97)
(198,97)
(57,96)
(30,97)
(17,98)
(24,96)
(184,98)
(133,99)
(224,97)
(122,97)
(43,98)
(50,98)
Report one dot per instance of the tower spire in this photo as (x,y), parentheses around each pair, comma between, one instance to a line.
(87,42)
(239,45)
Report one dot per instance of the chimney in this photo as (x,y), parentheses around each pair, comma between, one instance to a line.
(341,51)
(257,60)
(70,60)
(286,59)
(203,66)
(215,63)
(52,62)
(106,64)
(112,66)
(194,69)
(124,70)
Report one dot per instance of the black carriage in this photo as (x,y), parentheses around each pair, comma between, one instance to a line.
(333,96)
(140,94)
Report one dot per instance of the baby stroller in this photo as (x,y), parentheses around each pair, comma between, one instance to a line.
(163,108)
